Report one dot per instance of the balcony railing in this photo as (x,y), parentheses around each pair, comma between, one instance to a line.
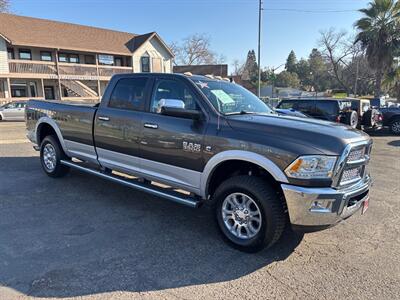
(32,67)
(77,69)
(66,70)
(108,71)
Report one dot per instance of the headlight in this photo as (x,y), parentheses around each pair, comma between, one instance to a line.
(312,167)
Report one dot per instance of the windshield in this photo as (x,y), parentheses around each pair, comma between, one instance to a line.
(229,98)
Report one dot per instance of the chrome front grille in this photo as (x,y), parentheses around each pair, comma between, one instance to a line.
(352,164)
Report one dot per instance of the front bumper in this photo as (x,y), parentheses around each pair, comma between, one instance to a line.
(312,209)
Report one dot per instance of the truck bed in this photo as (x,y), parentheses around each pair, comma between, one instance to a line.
(75,119)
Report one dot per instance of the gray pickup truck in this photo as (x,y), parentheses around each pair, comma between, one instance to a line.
(195,139)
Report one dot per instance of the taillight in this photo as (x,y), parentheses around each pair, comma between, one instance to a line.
(338,119)
(380,118)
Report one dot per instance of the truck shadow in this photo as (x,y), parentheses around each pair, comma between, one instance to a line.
(81,235)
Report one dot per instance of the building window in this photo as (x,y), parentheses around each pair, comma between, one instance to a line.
(62,57)
(25,54)
(68,58)
(118,61)
(45,56)
(10,53)
(90,60)
(74,58)
(106,59)
(18,91)
(145,63)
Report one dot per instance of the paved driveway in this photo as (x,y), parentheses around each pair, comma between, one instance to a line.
(83,237)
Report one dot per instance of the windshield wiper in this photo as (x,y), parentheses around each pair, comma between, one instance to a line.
(242,112)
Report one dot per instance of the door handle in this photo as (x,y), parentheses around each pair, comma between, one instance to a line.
(104,118)
(151,125)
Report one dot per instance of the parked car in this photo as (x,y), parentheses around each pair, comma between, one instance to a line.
(218,143)
(391,118)
(330,109)
(13,111)
(369,118)
(291,112)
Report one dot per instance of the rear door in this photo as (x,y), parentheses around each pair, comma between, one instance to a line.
(118,124)
(172,147)
(20,115)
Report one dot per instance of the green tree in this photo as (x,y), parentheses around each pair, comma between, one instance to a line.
(318,71)
(291,62)
(287,79)
(250,70)
(379,34)
(392,81)
(304,73)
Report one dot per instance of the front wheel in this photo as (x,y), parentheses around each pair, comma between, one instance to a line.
(51,155)
(249,213)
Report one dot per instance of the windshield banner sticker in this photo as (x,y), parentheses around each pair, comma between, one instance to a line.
(223,96)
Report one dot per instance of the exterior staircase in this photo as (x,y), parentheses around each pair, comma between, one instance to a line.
(76,88)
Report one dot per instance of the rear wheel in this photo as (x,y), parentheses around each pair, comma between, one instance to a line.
(395,126)
(51,155)
(249,213)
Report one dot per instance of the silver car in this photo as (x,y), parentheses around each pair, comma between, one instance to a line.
(13,111)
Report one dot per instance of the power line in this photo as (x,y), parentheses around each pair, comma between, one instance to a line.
(310,11)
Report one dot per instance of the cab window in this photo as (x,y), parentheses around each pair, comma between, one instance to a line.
(129,94)
(172,89)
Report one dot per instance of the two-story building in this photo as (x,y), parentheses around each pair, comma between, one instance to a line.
(54,60)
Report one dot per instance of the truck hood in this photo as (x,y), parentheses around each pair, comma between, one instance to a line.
(327,137)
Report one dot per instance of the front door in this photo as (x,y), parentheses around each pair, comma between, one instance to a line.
(10,111)
(171,147)
(49,93)
(118,125)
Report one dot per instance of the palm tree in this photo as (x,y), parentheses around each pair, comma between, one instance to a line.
(392,81)
(379,35)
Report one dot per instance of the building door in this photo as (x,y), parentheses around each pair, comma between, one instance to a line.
(49,93)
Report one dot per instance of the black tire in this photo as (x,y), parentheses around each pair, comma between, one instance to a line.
(59,170)
(271,206)
(351,118)
(369,118)
(395,126)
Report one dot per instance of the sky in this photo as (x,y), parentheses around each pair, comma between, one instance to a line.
(232,25)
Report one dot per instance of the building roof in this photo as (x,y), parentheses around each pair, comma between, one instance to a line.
(216,70)
(33,32)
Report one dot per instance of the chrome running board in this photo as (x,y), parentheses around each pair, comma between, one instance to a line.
(134,183)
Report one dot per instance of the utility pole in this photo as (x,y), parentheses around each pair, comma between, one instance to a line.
(356,81)
(259,47)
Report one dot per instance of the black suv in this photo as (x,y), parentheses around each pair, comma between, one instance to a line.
(334,110)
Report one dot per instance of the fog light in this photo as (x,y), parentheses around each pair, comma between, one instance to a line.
(321,206)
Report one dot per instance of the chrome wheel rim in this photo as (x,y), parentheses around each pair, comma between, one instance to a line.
(396,127)
(241,216)
(49,157)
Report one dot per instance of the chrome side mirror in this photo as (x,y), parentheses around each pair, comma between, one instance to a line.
(169,103)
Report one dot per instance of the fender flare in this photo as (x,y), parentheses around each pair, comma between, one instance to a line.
(53,124)
(242,155)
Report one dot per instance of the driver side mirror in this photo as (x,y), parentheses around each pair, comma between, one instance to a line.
(176,108)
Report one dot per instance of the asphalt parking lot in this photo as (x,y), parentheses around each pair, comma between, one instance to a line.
(82,237)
